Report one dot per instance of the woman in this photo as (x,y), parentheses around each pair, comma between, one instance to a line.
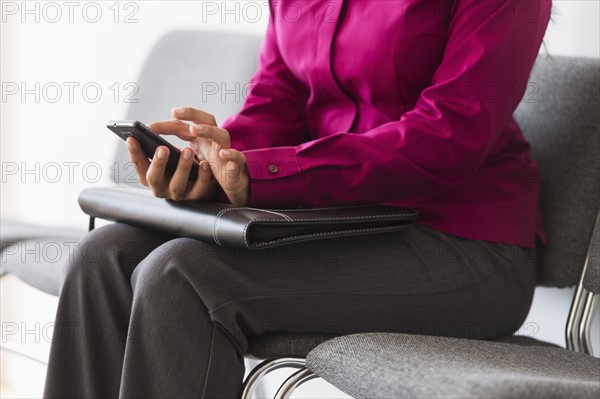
(403,102)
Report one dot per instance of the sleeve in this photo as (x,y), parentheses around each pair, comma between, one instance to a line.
(273,113)
(492,45)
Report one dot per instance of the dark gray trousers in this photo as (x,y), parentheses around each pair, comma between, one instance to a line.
(147,315)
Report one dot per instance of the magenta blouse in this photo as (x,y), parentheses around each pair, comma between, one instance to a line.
(404,102)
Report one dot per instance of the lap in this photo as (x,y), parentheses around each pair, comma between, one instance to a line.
(418,280)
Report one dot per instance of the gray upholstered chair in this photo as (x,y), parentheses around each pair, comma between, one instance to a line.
(212,77)
(560,117)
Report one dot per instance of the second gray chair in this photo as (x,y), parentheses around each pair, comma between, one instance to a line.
(562,124)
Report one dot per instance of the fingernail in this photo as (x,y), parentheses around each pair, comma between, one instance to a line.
(161,153)
(200,128)
(226,153)
(187,154)
(178,110)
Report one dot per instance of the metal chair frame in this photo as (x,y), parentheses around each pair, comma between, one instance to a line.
(266,367)
(581,315)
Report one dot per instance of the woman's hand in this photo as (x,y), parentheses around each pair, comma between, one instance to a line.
(213,144)
(177,187)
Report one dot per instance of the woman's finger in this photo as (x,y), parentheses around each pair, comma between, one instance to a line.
(231,155)
(138,158)
(199,155)
(172,128)
(178,186)
(156,172)
(216,134)
(204,184)
(193,115)
(230,168)
(202,147)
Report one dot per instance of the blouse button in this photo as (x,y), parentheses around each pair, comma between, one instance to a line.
(273,169)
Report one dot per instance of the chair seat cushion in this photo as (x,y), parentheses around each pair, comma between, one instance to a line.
(384,365)
(12,231)
(37,254)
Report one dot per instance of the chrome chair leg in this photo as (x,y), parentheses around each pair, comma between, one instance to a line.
(585,329)
(574,320)
(579,322)
(265,368)
(293,382)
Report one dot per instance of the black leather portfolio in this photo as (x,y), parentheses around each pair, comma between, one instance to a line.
(241,226)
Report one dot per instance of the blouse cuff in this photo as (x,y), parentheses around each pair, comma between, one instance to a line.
(275,177)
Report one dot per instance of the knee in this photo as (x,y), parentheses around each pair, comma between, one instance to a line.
(99,251)
(172,263)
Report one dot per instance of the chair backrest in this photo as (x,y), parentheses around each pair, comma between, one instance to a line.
(204,69)
(559,117)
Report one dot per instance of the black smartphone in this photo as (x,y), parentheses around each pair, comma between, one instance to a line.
(150,141)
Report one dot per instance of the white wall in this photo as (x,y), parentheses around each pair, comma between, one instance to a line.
(50,135)
(47,134)
(574,29)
